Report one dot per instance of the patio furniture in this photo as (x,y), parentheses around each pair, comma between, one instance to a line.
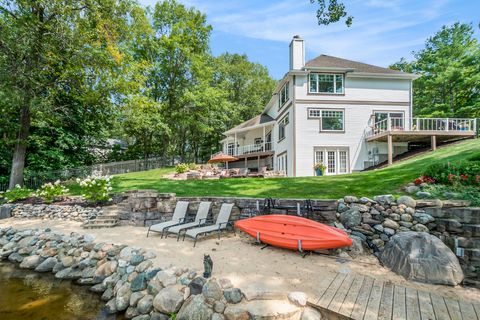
(200,218)
(242,173)
(178,217)
(221,223)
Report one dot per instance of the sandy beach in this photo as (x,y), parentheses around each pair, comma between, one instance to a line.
(243,262)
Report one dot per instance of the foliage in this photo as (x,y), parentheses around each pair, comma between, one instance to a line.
(96,188)
(449,66)
(192,166)
(16,194)
(331,11)
(49,191)
(368,183)
(320,166)
(181,168)
(462,172)
(423,179)
(457,192)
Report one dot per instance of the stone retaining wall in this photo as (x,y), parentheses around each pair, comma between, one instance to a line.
(127,280)
(50,211)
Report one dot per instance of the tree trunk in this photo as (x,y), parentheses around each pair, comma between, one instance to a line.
(18,161)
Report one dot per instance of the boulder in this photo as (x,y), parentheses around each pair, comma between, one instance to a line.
(212,290)
(389,223)
(412,189)
(145,304)
(196,285)
(351,218)
(408,201)
(233,295)
(298,298)
(350,199)
(384,199)
(420,228)
(423,218)
(422,257)
(195,308)
(31,262)
(168,300)
(357,248)
(311,314)
(139,283)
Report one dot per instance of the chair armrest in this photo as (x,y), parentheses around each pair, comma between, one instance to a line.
(181,220)
(204,221)
(223,223)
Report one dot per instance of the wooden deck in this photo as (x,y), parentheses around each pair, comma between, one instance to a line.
(420,136)
(361,297)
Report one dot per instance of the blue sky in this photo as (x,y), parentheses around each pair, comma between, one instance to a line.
(383,31)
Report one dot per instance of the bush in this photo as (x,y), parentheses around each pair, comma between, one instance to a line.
(49,191)
(466,173)
(192,166)
(96,188)
(181,168)
(458,192)
(16,194)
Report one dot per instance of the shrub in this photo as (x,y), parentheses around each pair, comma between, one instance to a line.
(49,191)
(466,173)
(16,194)
(458,192)
(181,168)
(423,179)
(192,166)
(96,188)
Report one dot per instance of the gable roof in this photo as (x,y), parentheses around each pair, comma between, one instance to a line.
(255,121)
(324,61)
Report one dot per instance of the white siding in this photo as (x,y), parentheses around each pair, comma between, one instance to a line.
(285,145)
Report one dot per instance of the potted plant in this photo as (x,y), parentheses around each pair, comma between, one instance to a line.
(319,169)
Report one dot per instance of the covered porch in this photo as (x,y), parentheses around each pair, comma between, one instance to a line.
(435,130)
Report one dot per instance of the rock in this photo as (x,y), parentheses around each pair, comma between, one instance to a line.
(166,278)
(145,304)
(108,295)
(408,201)
(378,242)
(406,217)
(135,297)
(389,232)
(406,224)
(350,199)
(136,260)
(394,217)
(196,285)
(233,295)
(195,308)
(69,273)
(131,313)
(422,257)
(419,228)
(122,300)
(365,200)
(31,262)
(219,306)
(158,316)
(357,248)
(412,189)
(212,290)
(258,309)
(168,300)
(15,257)
(342,207)
(139,283)
(106,269)
(384,199)
(110,306)
(144,265)
(298,298)
(423,194)
(311,314)
(351,218)
(389,223)
(378,227)
(225,283)
(218,316)
(423,218)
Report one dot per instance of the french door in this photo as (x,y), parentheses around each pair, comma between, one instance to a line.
(334,159)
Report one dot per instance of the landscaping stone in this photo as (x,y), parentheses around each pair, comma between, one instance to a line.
(407,201)
(139,283)
(422,257)
(212,290)
(233,295)
(420,228)
(412,189)
(168,300)
(384,199)
(196,285)
(31,262)
(423,218)
(298,298)
(145,304)
(423,194)
(311,314)
(388,223)
(351,218)
(195,308)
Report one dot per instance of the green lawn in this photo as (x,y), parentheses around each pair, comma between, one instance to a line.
(370,183)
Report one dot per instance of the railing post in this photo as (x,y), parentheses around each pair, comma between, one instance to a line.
(389,124)
(418,124)
(448,124)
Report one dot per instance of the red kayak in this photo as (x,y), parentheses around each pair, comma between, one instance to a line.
(292,232)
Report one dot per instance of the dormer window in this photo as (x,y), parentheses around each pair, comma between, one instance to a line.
(283,95)
(325,83)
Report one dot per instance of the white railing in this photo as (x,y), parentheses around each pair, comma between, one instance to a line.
(423,124)
(248,149)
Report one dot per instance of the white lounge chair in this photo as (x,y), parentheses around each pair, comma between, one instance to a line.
(200,218)
(221,224)
(178,217)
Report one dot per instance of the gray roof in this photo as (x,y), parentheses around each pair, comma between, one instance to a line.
(324,61)
(260,119)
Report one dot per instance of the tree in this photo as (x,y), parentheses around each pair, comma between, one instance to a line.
(449,66)
(57,59)
(331,11)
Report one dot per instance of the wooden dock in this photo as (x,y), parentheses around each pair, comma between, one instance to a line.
(360,297)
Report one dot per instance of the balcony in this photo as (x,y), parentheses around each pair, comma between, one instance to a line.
(251,149)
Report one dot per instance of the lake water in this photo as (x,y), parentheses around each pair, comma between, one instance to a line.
(30,295)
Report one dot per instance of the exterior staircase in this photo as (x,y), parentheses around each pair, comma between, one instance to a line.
(108,219)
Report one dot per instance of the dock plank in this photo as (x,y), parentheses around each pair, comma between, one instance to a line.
(374,301)
(337,300)
(362,299)
(399,307)
(413,309)
(439,307)
(453,309)
(351,298)
(426,308)
(386,303)
(331,291)
(323,286)
(467,310)
(477,309)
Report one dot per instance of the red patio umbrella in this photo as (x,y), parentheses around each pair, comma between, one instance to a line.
(222,157)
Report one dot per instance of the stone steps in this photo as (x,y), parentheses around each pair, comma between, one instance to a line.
(108,219)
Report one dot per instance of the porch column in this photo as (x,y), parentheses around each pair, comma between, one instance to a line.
(264,139)
(246,162)
(390,150)
(235,145)
(258,163)
(434,143)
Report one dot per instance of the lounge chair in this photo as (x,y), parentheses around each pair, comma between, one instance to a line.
(200,218)
(178,217)
(221,224)
(242,173)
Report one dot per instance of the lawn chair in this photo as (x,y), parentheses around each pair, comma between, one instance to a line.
(221,224)
(178,217)
(200,218)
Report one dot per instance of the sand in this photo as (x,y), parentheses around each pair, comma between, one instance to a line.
(243,262)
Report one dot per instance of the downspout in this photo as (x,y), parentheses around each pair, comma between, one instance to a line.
(294,129)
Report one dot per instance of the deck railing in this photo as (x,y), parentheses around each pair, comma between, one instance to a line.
(248,149)
(422,124)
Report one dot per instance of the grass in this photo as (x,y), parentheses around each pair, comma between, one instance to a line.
(369,183)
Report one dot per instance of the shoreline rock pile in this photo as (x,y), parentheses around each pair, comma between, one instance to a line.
(127,280)
(53,212)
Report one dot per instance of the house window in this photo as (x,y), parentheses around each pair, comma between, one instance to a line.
(281,127)
(396,120)
(283,95)
(258,141)
(314,113)
(231,149)
(335,159)
(326,83)
(282,163)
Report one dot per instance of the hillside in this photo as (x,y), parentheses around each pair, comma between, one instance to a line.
(370,183)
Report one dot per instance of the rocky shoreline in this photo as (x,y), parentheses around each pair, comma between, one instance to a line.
(127,280)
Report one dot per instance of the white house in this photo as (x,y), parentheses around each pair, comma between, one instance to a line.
(347,115)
